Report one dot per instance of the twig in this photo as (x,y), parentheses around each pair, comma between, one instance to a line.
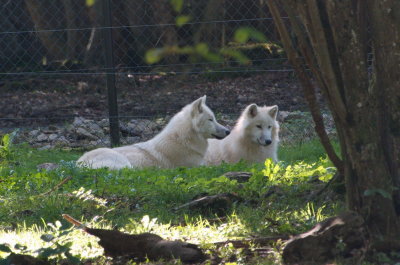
(242,243)
(56,187)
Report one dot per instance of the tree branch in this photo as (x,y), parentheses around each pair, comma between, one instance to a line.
(308,88)
(312,20)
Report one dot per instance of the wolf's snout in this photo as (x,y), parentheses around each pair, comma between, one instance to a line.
(268,142)
(221,133)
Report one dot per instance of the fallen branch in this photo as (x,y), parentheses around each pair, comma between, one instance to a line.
(217,202)
(56,187)
(141,246)
(342,236)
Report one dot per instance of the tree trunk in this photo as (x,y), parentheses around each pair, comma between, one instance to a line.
(75,18)
(166,35)
(208,32)
(140,36)
(369,178)
(385,17)
(94,54)
(122,37)
(10,47)
(363,97)
(47,15)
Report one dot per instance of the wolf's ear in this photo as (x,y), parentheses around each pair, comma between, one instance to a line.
(252,110)
(273,111)
(203,98)
(197,105)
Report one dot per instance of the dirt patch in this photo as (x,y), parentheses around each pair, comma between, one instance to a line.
(38,102)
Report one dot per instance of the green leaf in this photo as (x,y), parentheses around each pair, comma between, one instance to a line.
(61,248)
(65,232)
(20,247)
(72,259)
(268,165)
(202,48)
(6,140)
(177,5)
(213,57)
(48,252)
(5,248)
(68,245)
(89,3)
(182,20)
(239,56)
(372,192)
(154,55)
(243,34)
(47,237)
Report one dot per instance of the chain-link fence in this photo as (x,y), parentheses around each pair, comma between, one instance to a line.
(54,62)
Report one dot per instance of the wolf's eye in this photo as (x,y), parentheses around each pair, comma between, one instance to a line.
(259,126)
(269,127)
(211,119)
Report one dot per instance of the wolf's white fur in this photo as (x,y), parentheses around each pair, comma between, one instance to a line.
(183,142)
(249,139)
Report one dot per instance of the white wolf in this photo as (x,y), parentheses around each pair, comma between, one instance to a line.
(183,142)
(254,138)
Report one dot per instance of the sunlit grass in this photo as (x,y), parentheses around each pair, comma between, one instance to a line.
(275,201)
(309,151)
(199,231)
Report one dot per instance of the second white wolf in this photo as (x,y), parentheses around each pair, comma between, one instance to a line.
(183,142)
(254,138)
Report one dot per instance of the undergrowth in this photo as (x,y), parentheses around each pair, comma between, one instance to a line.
(275,201)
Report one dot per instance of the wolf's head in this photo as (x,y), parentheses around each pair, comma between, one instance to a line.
(204,122)
(259,124)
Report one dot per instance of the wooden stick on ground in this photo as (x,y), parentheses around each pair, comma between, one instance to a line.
(56,187)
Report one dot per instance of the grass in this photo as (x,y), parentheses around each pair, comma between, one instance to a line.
(28,158)
(274,202)
(308,152)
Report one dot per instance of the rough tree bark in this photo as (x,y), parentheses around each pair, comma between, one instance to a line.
(75,18)
(364,97)
(93,52)
(46,15)
(308,88)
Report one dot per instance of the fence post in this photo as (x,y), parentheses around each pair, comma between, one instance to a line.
(110,74)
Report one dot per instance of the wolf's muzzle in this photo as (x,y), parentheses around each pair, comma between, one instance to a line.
(222,136)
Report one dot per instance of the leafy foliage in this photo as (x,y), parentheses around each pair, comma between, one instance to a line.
(202,50)
(7,151)
(182,20)
(177,5)
(90,3)
(244,34)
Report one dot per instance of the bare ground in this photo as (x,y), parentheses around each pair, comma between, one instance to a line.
(39,102)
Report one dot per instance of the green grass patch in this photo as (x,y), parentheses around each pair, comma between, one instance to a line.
(309,151)
(275,201)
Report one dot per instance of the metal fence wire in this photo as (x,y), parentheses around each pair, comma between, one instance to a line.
(62,36)
(54,67)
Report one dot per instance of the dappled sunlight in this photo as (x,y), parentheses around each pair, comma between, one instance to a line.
(176,204)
